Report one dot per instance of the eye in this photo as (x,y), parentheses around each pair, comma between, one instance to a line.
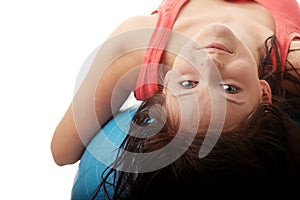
(188,84)
(229,89)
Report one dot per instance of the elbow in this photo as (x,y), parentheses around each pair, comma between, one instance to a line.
(66,147)
(61,160)
(57,157)
(61,163)
(62,157)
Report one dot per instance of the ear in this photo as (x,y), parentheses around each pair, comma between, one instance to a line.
(266,91)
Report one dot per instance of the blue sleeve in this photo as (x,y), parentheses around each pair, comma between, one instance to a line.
(100,152)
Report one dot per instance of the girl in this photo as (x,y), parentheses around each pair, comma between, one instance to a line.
(260,35)
(113,76)
(258,147)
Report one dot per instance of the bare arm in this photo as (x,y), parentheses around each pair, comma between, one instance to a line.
(107,85)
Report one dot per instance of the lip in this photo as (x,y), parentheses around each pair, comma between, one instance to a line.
(218,46)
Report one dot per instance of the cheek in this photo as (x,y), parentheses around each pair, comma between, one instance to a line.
(173,109)
(235,116)
(205,108)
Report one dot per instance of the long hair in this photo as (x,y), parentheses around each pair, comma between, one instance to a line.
(263,153)
(287,100)
(256,158)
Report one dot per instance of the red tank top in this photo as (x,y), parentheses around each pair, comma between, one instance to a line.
(286,15)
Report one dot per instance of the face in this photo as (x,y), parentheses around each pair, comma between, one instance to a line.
(215,79)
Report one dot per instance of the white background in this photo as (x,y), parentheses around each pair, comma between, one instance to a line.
(43,45)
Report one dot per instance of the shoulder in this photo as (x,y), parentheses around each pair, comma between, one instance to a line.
(136,22)
(123,51)
(132,34)
(294,51)
(293,66)
(294,55)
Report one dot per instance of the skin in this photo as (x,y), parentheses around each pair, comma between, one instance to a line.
(95,101)
(223,68)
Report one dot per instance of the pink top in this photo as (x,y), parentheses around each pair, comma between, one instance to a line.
(286,15)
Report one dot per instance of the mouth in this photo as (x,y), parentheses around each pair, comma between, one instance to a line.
(218,46)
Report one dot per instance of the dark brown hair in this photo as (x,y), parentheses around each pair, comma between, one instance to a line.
(262,155)
(287,100)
